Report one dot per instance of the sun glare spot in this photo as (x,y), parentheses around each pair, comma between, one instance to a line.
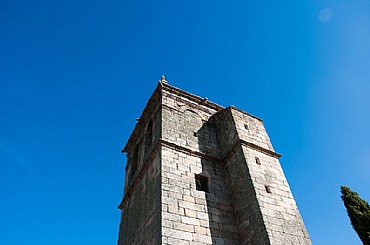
(326,14)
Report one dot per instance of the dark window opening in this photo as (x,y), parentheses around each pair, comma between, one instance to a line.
(148,137)
(246,126)
(201,183)
(149,131)
(258,161)
(268,189)
(134,161)
(195,134)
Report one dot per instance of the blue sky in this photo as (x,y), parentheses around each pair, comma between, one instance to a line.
(75,75)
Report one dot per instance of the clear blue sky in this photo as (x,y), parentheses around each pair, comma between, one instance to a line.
(74,75)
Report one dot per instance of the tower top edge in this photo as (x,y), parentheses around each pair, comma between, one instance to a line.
(163,86)
(199,99)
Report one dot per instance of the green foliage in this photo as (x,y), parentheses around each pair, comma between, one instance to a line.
(359,213)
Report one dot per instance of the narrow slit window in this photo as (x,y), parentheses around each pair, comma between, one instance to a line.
(258,161)
(246,126)
(148,137)
(201,183)
(268,189)
(135,159)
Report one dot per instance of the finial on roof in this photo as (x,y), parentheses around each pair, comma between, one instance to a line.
(204,100)
(163,79)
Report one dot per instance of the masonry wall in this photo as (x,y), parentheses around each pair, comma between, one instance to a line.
(190,216)
(280,214)
(190,147)
(141,205)
(263,203)
(188,124)
(250,224)
(250,129)
(141,217)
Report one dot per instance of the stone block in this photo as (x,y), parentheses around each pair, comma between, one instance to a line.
(190,221)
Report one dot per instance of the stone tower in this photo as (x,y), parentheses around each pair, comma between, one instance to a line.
(199,173)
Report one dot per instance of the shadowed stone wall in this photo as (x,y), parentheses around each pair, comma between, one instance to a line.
(141,217)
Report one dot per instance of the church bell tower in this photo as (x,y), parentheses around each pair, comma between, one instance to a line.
(199,173)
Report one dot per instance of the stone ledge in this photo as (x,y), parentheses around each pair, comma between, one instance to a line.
(241,142)
(191,152)
(192,97)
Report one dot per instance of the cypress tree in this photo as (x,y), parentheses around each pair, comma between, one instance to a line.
(359,213)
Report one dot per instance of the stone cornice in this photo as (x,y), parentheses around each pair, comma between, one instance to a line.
(199,106)
(260,149)
(199,100)
(198,103)
(191,97)
(146,164)
(240,142)
(190,151)
(245,113)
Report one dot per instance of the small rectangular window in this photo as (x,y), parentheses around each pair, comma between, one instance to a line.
(258,161)
(201,183)
(268,189)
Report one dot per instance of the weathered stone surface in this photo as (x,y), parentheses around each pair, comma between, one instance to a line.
(199,173)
